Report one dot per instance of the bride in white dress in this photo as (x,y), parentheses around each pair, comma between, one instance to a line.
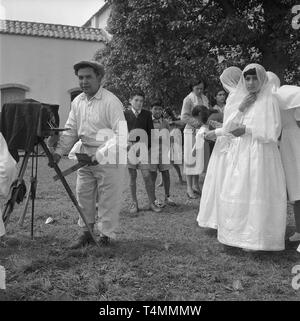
(252,209)
(207,216)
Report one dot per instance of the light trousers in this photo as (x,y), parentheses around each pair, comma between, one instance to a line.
(105,184)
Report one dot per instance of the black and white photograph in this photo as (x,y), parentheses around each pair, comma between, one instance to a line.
(149,154)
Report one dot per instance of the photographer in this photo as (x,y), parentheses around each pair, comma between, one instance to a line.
(93,111)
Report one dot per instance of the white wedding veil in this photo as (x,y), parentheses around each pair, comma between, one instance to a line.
(266,122)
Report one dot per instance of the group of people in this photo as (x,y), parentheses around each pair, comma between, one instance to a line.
(246,146)
(251,170)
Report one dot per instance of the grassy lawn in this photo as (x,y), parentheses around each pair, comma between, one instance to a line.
(156,257)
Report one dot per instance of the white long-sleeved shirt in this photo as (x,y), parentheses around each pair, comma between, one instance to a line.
(88,118)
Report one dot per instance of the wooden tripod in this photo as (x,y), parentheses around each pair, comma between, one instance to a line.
(33,186)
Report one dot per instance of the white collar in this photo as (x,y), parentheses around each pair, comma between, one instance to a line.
(135,111)
(98,94)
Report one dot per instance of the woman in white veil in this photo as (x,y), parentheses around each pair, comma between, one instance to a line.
(207,216)
(289,98)
(252,204)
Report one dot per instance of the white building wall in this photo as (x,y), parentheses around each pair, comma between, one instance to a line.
(45,65)
(102,18)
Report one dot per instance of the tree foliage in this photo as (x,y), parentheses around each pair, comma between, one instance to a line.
(161,46)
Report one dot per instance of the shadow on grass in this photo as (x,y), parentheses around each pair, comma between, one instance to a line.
(132,250)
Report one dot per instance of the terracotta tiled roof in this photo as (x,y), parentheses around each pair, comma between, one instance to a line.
(37,29)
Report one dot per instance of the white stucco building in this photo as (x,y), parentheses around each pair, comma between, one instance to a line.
(100,18)
(36,61)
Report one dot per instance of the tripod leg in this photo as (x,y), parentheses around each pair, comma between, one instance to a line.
(32,217)
(68,189)
(22,217)
(31,195)
(33,181)
(14,194)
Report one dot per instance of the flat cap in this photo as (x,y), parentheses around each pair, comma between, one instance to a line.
(93,64)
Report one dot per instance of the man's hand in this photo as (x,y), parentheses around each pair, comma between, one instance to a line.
(210,135)
(247,102)
(56,158)
(239,131)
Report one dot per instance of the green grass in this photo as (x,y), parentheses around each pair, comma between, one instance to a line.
(156,257)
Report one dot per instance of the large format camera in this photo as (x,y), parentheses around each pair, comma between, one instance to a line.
(23,123)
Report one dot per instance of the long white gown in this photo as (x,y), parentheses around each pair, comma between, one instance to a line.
(209,202)
(290,151)
(253,194)
(8,172)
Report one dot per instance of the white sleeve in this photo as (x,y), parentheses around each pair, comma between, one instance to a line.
(232,122)
(119,127)
(297,114)
(219,131)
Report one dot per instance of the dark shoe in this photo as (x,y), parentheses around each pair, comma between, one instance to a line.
(104,240)
(289,245)
(154,208)
(83,240)
(196,191)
